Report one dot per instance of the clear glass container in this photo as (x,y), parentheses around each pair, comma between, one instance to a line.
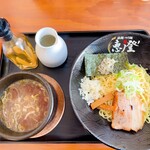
(17,48)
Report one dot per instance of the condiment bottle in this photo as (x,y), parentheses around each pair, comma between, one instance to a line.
(17,48)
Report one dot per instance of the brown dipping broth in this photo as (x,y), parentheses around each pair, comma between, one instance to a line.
(24,105)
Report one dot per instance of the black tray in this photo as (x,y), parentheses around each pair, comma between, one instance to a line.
(69,129)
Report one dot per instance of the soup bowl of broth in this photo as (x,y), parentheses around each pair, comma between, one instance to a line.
(26,105)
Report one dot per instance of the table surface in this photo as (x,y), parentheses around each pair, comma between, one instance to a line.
(73,15)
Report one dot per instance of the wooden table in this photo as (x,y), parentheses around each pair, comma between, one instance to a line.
(73,15)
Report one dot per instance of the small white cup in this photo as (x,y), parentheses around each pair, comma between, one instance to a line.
(52,52)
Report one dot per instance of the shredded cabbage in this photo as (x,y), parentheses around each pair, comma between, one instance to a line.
(129,82)
(132,80)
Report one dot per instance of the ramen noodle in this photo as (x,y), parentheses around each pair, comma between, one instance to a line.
(24,104)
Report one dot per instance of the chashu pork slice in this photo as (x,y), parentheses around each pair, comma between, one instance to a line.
(128,114)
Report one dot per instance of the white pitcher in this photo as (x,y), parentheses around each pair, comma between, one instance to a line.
(50,47)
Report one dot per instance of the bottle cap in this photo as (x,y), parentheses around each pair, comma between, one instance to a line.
(5,31)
